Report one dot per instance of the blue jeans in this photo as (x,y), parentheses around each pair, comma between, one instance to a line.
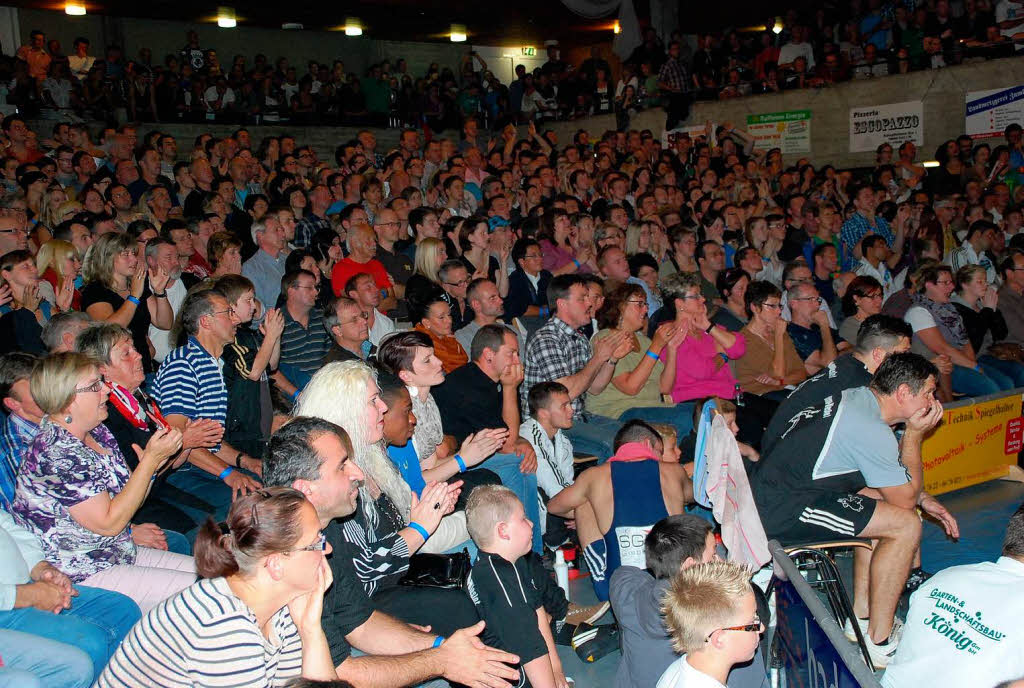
(34,662)
(178,543)
(205,486)
(680,417)
(1007,374)
(973,383)
(506,466)
(96,623)
(595,435)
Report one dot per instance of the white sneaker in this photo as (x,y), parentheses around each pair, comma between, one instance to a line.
(848,629)
(881,655)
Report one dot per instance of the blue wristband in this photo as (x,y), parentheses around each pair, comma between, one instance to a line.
(226,472)
(133,300)
(438,640)
(420,529)
(652,355)
(462,463)
(576,263)
(295,394)
(544,311)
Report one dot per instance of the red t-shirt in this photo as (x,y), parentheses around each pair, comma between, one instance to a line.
(347,268)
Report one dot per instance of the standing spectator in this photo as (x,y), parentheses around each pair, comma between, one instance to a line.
(81,62)
(35,56)
(674,80)
(797,46)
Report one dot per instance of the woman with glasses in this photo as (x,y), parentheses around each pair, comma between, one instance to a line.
(254,618)
(119,288)
(77,494)
(863,298)
(939,329)
(646,375)
(816,342)
(771,362)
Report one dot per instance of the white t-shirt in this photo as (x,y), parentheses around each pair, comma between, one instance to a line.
(162,338)
(382,325)
(965,627)
(919,319)
(681,675)
(791,51)
(210,96)
(1007,10)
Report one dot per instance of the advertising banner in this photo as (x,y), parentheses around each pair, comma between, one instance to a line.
(790,131)
(893,123)
(973,444)
(988,112)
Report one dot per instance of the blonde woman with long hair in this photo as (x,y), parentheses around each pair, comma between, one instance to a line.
(59,267)
(425,281)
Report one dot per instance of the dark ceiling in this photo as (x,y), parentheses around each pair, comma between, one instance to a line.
(489,22)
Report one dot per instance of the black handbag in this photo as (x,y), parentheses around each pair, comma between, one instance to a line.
(447,571)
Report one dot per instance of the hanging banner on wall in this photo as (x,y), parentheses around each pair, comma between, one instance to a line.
(893,123)
(989,112)
(790,131)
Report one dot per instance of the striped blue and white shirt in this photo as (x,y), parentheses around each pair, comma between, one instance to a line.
(205,636)
(190,383)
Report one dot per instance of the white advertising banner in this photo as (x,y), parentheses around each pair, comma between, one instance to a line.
(892,123)
(989,112)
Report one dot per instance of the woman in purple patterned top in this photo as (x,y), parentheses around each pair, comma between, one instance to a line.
(76,493)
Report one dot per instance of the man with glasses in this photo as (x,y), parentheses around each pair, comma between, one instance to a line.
(825,479)
(347,324)
(528,285)
(388,228)
(1011,296)
(808,327)
(796,272)
(454,281)
(13,236)
(304,342)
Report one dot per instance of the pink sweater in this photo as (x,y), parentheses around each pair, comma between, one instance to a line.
(701,372)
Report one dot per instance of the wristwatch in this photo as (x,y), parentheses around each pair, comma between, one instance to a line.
(710,327)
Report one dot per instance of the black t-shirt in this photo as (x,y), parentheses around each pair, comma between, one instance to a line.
(459,418)
(397,264)
(507,597)
(95,292)
(346,606)
(843,373)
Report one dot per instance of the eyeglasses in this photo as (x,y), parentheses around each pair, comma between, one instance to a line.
(771,305)
(876,295)
(319,546)
(216,313)
(754,625)
(816,299)
(460,283)
(94,387)
(363,315)
(314,287)
(639,302)
(387,224)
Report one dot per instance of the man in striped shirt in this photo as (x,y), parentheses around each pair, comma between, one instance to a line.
(190,385)
(305,342)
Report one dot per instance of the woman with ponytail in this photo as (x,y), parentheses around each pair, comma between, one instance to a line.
(253,619)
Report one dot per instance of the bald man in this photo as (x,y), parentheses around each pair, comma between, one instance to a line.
(362,244)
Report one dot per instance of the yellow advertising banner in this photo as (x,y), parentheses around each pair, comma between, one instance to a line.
(973,444)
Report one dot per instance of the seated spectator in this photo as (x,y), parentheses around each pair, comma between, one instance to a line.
(939,330)
(984,590)
(703,602)
(631,492)
(771,361)
(346,325)
(816,342)
(863,298)
(980,238)
(476,256)
(641,377)
(122,289)
(875,255)
(267,267)
(21,419)
(46,637)
(23,318)
(559,255)
(205,629)
(363,290)
(59,268)
(362,244)
(486,304)
(315,457)
(813,487)
(247,361)
(976,301)
(513,593)
(1011,296)
(559,353)
(61,330)
(190,385)
(305,342)
(491,379)
(225,252)
(83,520)
(674,544)
(425,283)
(528,285)
(434,319)
(550,413)
(133,418)
(454,280)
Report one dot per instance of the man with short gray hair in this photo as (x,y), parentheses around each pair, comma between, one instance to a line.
(266,268)
(61,330)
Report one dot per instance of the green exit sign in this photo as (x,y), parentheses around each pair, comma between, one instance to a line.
(529,51)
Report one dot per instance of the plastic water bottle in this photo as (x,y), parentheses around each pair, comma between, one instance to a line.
(738,395)
(562,572)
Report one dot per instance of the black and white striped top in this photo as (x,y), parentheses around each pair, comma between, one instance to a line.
(205,636)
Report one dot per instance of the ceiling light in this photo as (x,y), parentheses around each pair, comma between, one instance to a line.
(458,33)
(226,17)
(75,9)
(353,27)
(616,27)
(292,26)
(778,25)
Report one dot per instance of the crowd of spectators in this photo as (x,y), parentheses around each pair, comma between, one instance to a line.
(295,378)
(196,84)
